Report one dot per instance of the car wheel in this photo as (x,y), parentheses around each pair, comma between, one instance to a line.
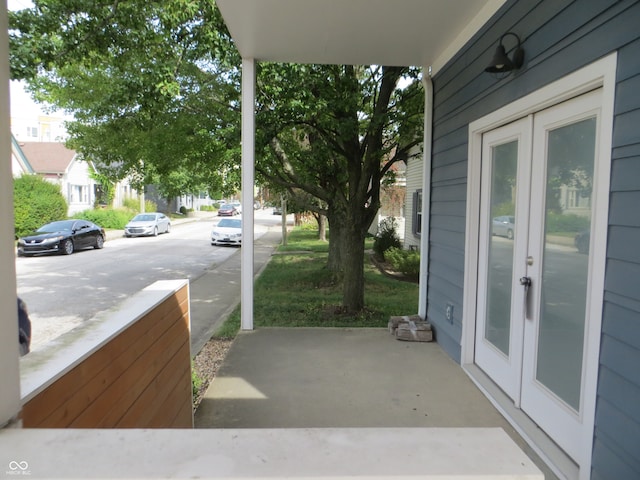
(155,231)
(168,227)
(67,247)
(99,242)
(510,234)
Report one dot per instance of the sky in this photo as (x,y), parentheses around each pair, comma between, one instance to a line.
(21,103)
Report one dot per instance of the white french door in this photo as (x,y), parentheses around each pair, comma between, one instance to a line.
(505,187)
(535,268)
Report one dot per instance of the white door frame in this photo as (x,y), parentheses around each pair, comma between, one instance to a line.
(600,74)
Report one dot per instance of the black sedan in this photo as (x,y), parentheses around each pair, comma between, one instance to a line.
(64,237)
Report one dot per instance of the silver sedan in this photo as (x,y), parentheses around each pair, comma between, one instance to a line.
(145,224)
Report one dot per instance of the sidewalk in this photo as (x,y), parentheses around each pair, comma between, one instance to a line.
(216,294)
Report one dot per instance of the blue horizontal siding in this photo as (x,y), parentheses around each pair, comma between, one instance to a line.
(625,173)
(559,37)
(622,393)
(608,463)
(613,426)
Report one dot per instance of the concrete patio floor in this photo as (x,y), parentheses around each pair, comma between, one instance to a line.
(341,378)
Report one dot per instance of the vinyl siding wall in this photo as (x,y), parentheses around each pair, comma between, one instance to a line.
(559,37)
(414,183)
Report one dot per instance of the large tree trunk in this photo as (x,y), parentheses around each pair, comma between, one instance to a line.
(353,260)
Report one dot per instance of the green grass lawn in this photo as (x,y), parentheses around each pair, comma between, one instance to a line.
(296,290)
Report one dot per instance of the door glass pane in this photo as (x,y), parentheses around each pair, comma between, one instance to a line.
(504,161)
(569,188)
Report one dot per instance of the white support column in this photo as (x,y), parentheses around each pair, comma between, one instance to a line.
(248,159)
(426,193)
(9,356)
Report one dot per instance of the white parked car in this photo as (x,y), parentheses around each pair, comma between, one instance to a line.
(228,231)
(147,224)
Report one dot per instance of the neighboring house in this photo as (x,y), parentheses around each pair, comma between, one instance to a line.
(392,201)
(57,164)
(551,335)
(62,166)
(19,163)
(559,357)
(40,128)
(413,202)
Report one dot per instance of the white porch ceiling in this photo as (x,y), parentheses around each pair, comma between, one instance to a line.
(356,32)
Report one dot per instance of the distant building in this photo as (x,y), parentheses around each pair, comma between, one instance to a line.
(66,168)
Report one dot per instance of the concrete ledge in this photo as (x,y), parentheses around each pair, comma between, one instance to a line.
(332,453)
(42,367)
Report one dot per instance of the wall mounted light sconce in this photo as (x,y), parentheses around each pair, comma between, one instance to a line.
(501,63)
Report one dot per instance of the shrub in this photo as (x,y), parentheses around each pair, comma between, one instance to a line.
(196,381)
(386,237)
(150,206)
(405,261)
(133,204)
(107,217)
(36,202)
(567,223)
(183,210)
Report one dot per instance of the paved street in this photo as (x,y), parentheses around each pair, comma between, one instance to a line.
(63,291)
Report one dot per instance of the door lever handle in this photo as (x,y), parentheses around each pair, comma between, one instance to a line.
(526,283)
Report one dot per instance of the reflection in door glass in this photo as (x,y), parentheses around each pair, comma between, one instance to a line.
(504,165)
(570,162)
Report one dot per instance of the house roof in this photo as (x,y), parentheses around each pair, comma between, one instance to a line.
(48,157)
(355,32)
(20,164)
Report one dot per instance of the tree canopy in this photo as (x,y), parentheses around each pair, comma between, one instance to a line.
(154,87)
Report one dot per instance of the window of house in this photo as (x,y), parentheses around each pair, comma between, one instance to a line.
(417,212)
(79,194)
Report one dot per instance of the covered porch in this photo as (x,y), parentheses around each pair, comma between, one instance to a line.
(392,404)
(292,378)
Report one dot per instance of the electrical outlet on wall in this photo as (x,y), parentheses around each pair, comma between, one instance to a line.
(449,312)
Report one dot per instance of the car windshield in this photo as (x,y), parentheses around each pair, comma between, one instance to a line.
(57,226)
(230,223)
(144,218)
(226,207)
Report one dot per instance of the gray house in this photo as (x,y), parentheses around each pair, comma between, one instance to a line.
(559,355)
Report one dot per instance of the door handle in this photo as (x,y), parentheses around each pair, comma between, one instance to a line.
(526,283)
